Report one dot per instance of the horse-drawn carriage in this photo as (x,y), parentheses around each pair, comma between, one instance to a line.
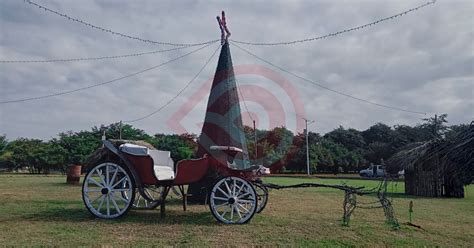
(137,176)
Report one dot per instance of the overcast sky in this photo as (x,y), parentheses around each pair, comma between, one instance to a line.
(423,61)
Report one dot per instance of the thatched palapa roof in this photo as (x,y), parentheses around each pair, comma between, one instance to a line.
(454,155)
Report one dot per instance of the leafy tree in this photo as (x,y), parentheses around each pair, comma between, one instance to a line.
(3,142)
(378,151)
(35,155)
(297,154)
(320,158)
(274,147)
(5,156)
(280,140)
(378,133)
(404,135)
(250,139)
(453,130)
(340,155)
(435,126)
(112,131)
(78,145)
(51,156)
(180,146)
(24,154)
(349,138)
(6,160)
(381,142)
(348,149)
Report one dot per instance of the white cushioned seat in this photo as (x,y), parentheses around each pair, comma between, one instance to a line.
(163,165)
(134,149)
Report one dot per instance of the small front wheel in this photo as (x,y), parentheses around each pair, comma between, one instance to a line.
(104,188)
(233,200)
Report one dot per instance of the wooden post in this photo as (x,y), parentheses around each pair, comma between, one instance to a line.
(166,189)
(162,209)
(410,211)
(184,195)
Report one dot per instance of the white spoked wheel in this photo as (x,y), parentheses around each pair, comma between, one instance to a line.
(262,197)
(153,192)
(104,188)
(233,200)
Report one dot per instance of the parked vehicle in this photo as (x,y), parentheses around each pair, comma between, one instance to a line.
(377,170)
(401,174)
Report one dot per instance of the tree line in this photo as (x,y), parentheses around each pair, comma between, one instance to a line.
(341,150)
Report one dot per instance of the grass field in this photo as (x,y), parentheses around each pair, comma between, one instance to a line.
(43,210)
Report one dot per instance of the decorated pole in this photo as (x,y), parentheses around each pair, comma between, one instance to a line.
(223,121)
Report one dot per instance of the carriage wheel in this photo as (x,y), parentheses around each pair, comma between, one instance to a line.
(233,200)
(153,192)
(103,190)
(176,192)
(262,196)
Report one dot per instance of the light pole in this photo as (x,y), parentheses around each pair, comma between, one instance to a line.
(255,139)
(120,130)
(103,137)
(307,144)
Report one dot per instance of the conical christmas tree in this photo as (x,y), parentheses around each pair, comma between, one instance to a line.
(223,122)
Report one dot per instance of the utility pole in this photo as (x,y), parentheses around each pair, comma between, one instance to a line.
(255,140)
(120,130)
(307,145)
(103,137)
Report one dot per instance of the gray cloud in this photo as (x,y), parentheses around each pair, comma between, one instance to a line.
(422,61)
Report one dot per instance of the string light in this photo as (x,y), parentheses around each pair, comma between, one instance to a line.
(179,92)
(327,88)
(91,58)
(245,104)
(114,32)
(336,33)
(103,83)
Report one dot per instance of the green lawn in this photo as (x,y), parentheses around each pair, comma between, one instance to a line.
(43,210)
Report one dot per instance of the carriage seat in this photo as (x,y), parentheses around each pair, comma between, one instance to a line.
(163,165)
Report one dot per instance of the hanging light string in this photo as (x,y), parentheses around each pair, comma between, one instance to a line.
(102,83)
(325,87)
(114,32)
(245,104)
(91,58)
(179,92)
(335,33)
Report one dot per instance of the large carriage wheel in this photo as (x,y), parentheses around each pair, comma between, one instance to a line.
(103,190)
(233,200)
(262,196)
